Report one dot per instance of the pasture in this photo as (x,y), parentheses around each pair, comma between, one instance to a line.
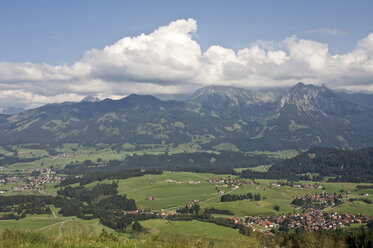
(56,226)
(174,189)
(208,231)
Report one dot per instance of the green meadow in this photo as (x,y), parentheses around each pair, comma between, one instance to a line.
(196,229)
(173,190)
(171,195)
(167,194)
(176,189)
(56,226)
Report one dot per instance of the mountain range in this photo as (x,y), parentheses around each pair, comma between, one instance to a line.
(213,118)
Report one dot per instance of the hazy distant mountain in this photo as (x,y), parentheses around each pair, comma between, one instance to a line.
(134,119)
(362,99)
(237,103)
(91,99)
(3,117)
(214,117)
(12,110)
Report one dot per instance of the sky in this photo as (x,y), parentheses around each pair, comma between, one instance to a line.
(56,51)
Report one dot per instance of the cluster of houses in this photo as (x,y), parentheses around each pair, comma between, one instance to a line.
(170,180)
(41,170)
(194,182)
(68,155)
(231,183)
(162,214)
(312,219)
(30,182)
(307,186)
(277,185)
(320,200)
(221,192)
(215,180)
(189,182)
(137,212)
(3,168)
(150,198)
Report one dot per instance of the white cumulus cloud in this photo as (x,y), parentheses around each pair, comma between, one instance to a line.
(170,61)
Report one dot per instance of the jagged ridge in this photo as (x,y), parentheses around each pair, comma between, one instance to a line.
(213,118)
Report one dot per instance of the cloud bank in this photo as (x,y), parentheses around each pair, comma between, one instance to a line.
(170,61)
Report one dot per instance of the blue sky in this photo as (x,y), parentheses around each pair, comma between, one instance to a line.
(55,51)
(58,32)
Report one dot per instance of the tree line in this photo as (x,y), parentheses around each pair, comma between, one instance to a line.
(233,197)
(109,175)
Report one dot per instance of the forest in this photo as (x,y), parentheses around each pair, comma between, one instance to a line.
(337,165)
(233,197)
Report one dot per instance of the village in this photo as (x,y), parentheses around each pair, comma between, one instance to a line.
(68,155)
(319,201)
(312,219)
(295,185)
(38,177)
(231,183)
(312,214)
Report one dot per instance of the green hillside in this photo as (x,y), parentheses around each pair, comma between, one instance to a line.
(340,165)
(214,118)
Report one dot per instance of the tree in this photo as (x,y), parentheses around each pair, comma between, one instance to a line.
(137,227)
(370,225)
(276,207)
(257,197)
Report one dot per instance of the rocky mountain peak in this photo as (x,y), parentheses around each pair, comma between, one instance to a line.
(227,101)
(236,96)
(311,99)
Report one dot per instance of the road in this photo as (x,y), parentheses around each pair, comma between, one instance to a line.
(61,223)
(61,228)
(45,227)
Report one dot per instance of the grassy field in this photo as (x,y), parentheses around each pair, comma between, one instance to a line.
(170,195)
(279,154)
(208,231)
(33,222)
(171,191)
(260,168)
(56,226)
(270,197)
(179,192)
(167,194)
(357,207)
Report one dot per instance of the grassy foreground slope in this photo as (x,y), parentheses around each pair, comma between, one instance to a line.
(361,238)
(207,231)
(56,227)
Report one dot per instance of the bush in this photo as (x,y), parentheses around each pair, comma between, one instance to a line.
(276,207)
